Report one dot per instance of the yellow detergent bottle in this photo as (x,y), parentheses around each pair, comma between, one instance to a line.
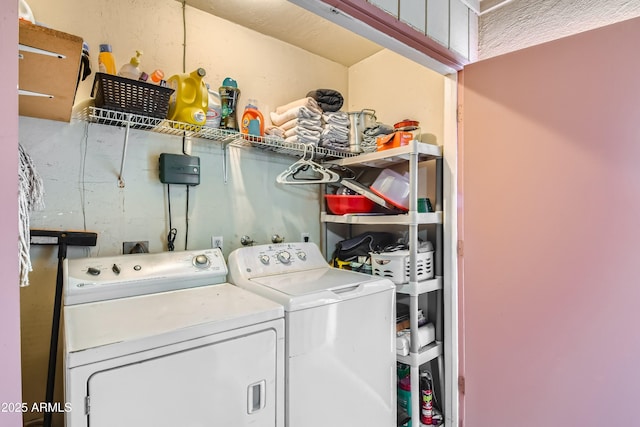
(190,99)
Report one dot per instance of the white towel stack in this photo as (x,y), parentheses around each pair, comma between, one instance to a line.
(299,120)
(335,131)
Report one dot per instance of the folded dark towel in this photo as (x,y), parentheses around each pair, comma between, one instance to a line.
(328,99)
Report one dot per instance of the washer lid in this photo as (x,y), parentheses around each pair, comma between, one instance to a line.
(305,289)
(149,321)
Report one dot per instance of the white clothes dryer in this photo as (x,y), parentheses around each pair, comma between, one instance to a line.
(160,340)
(340,334)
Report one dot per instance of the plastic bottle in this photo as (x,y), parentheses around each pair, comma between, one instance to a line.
(190,99)
(404,396)
(252,122)
(426,399)
(132,70)
(157,76)
(214,110)
(229,94)
(106,61)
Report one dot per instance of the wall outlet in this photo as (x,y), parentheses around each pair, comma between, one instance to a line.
(217,242)
(304,237)
(141,246)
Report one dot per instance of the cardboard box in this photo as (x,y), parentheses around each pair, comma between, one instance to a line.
(394,140)
(54,76)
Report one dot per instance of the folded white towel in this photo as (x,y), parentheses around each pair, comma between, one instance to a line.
(310,124)
(337,118)
(299,130)
(296,112)
(275,131)
(302,139)
(308,102)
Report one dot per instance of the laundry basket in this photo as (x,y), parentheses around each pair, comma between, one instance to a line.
(395,266)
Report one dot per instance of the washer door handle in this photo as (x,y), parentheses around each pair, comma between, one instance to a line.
(256,396)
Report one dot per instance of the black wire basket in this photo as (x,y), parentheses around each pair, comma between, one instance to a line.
(130,96)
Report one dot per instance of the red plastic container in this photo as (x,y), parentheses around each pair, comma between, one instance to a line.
(340,204)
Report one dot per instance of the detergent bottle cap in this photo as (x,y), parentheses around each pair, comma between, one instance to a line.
(201,72)
(135,60)
(105,48)
(229,82)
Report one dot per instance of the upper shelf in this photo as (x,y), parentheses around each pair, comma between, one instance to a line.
(230,137)
(392,156)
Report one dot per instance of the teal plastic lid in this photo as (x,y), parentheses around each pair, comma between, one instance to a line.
(229,82)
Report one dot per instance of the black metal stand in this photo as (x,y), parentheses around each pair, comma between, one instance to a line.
(62,239)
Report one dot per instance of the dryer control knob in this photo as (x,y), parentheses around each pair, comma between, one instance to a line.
(93,271)
(264,259)
(201,261)
(302,256)
(284,257)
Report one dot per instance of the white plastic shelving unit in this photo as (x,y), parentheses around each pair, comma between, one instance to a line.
(413,153)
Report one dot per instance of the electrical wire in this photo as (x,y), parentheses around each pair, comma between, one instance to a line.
(171,237)
(186,234)
(184,36)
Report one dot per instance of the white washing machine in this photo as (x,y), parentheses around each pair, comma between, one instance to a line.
(161,340)
(340,334)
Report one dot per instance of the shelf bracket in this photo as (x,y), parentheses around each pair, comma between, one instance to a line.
(124,151)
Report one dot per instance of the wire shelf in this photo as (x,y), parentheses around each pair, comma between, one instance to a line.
(224,136)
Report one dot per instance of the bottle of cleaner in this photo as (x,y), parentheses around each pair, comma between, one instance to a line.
(190,99)
(229,94)
(106,61)
(252,122)
(214,110)
(132,69)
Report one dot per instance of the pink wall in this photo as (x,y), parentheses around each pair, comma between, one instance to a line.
(552,233)
(10,388)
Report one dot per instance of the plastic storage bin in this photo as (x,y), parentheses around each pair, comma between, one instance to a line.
(131,96)
(395,266)
(340,204)
(393,187)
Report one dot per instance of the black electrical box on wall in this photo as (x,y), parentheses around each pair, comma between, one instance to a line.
(179,169)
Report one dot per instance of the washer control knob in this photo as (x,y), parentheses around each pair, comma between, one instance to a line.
(116,269)
(264,259)
(284,257)
(137,267)
(302,256)
(201,261)
(93,271)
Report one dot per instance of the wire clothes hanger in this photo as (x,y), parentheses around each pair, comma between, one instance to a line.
(321,175)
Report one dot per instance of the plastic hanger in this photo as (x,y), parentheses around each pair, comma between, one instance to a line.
(322,174)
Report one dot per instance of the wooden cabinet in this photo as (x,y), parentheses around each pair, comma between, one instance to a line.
(49,62)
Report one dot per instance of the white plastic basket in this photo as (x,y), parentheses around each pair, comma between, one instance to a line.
(395,266)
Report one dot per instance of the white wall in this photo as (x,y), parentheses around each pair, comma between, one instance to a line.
(524,23)
(397,89)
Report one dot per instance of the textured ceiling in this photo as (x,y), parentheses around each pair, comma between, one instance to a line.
(292,24)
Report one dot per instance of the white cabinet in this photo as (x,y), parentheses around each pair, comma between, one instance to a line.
(416,292)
